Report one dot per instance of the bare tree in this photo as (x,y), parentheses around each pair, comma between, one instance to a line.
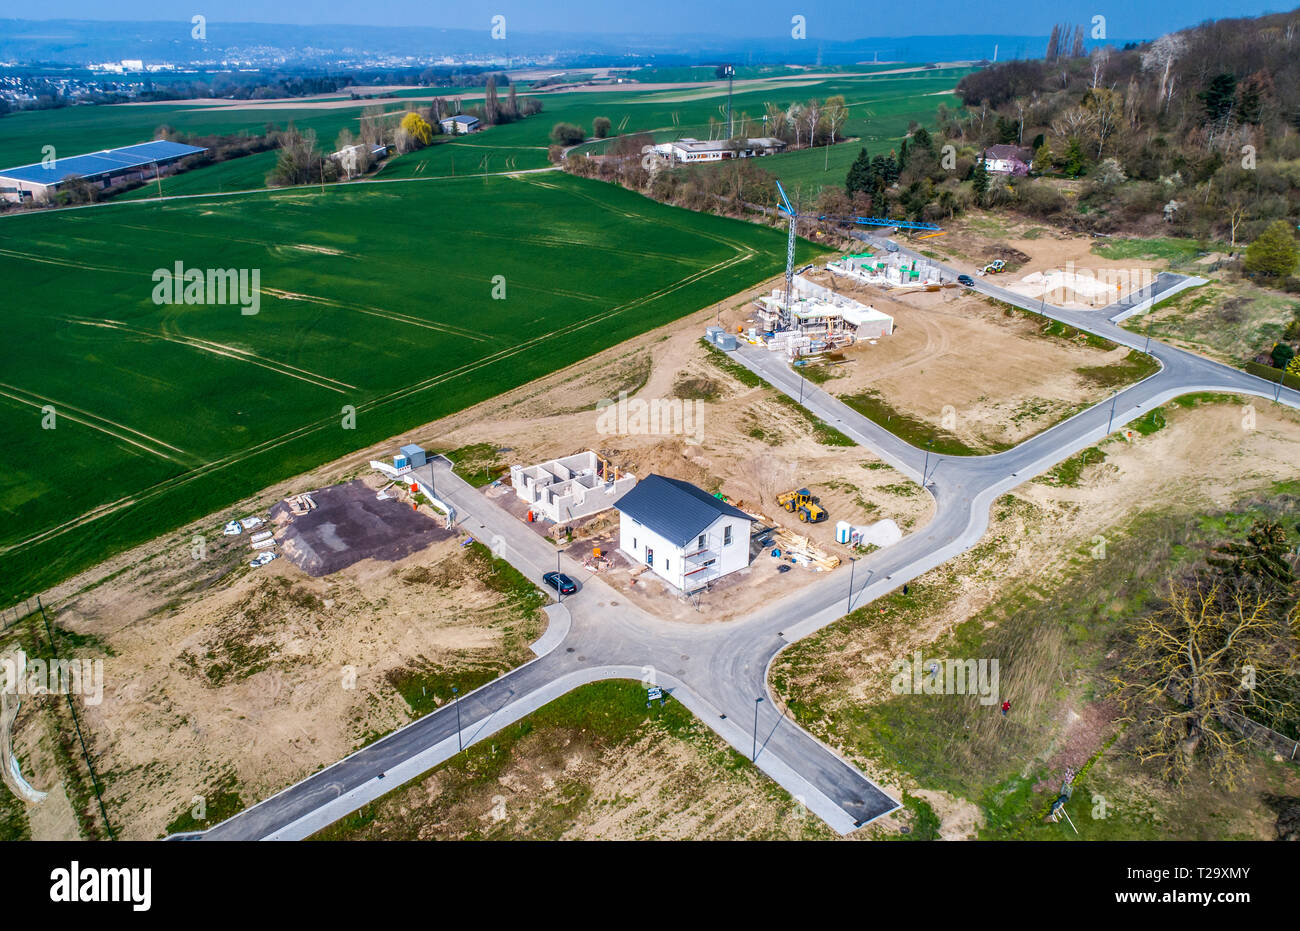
(1162,55)
(1100,58)
(1215,650)
(812,115)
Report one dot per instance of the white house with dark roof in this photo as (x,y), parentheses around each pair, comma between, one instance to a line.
(1008,160)
(685,535)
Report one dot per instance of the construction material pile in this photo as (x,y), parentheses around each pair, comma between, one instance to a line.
(802,551)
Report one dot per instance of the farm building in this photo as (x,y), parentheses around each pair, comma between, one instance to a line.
(695,150)
(40,181)
(682,533)
(571,487)
(1008,160)
(460,125)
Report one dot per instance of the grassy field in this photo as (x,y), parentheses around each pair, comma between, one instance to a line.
(1054,644)
(377,297)
(544,779)
(880,109)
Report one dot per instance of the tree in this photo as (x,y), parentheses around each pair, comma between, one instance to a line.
(299,161)
(1262,559)
(566,134)
(1160,57)
(1273,254)
(417,129)
(600,127)
(491,109)
(859,176)
(1214,650)
(1282,355)
(980,180)
(1219,97)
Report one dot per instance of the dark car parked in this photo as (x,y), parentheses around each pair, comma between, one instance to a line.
(560,582)
(966,280)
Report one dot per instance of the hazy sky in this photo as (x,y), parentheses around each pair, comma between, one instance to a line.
(826,19)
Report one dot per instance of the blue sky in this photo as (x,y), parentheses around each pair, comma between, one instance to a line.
(826,19)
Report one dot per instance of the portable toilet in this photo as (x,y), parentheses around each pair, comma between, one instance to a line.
(842,530)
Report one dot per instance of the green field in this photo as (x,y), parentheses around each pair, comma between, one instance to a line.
(880,109)
(376,296)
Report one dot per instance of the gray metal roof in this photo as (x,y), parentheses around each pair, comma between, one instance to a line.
(676,510)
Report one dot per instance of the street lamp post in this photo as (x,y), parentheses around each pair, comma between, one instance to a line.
(455,700)
(753,757)
(1111,421)
(853,561)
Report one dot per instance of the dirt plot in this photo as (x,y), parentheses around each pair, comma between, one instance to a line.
(966,369)
(350,524)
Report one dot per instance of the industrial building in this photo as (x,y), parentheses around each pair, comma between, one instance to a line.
(571,487)
(39,182)
(690,150)
(682,533)
(460,125)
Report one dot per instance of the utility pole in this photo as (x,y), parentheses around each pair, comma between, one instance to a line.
(731,76)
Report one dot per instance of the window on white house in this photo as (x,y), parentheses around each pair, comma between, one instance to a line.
(701,541)
(726,535)
(667,567)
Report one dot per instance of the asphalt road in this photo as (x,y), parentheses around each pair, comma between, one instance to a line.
(720,671)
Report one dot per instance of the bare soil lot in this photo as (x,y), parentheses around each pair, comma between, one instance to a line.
(350,524)
(964,369)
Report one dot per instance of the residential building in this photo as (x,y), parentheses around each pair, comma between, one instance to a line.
(684,535)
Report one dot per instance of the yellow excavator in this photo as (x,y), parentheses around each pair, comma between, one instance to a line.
(803,503)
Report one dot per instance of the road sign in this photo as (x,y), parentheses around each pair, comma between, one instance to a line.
(654,693)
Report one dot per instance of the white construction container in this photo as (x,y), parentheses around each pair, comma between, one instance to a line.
(842,530)
(264,544)
(259,537)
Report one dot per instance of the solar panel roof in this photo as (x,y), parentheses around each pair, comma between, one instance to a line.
(98,163)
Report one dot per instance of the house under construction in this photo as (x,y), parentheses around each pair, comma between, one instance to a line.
(572,486)
(820,319)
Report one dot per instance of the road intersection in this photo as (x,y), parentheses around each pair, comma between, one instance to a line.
(720,671)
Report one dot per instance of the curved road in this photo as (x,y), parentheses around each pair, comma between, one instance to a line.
(720,671)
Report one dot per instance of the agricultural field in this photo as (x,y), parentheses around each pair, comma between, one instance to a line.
(376,314)
(881,106)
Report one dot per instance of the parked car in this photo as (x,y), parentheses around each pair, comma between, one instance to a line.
(966,280)
(891,246)
(560,582)
(261,559)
